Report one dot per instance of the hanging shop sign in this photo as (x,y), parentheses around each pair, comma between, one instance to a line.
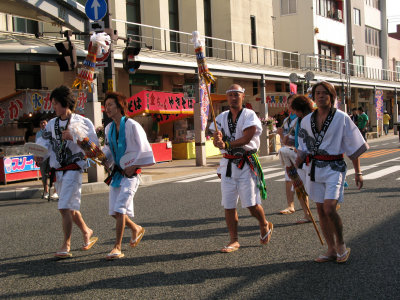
(275,100)
(23,103)
(155,102)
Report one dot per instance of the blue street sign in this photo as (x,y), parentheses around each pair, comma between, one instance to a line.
(96,9)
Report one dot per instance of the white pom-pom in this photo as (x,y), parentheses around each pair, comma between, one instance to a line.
(197,40)
(78,130)
(103,40)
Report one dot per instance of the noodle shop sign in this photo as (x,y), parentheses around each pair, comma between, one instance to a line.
(154,102)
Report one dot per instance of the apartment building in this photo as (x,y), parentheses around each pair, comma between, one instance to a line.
(344,37)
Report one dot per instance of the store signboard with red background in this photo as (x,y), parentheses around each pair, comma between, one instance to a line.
(32,101)
(154,102)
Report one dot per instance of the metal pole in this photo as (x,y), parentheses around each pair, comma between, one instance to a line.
(109,71)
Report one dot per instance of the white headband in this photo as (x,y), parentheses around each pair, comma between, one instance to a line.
(240,90)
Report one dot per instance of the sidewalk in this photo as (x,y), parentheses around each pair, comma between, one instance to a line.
(159,173)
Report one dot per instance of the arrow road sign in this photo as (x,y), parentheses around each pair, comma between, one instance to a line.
(96,9)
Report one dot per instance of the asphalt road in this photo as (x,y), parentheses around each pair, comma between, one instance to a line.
(178,257)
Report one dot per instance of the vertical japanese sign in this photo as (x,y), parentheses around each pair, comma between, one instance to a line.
(293,88)
(379,110)
(204,103)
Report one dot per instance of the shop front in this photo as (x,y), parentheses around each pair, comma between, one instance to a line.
(20,115)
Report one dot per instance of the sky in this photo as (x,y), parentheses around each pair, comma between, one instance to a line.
(393,14)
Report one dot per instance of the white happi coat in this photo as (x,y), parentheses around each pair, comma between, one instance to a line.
(247,118)
(341,137)
(73,153)
(287,126)
(137,144)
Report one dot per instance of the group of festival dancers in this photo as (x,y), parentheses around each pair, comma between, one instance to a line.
(316,141)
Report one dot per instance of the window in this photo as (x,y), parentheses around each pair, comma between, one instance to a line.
(133,15)
(397,70)
(208,27)
(288,7)
(358,61)
(25,25)
(174,25)
(253,30)
(372,41)
(27,76)
(357,17)
(373,3)
(329,9)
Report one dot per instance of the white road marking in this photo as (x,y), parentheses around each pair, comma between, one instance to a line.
(382,172)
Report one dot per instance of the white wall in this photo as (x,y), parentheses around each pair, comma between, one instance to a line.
(330,31)
(372,17)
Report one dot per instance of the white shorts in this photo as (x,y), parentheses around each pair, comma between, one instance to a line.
(244,187)
(68,187)
(121,198)
(319,192)
(287,178)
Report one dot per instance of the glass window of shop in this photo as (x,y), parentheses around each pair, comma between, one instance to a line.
(27,76)
(288,7)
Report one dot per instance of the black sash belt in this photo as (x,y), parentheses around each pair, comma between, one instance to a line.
(313,158)
(243,158)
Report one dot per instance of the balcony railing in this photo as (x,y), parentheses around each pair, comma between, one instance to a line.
(159,39)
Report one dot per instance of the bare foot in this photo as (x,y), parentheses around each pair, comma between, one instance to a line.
(136,233)
(87,236)
(233,246)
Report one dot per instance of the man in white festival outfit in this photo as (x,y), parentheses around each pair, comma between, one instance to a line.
(238,138)
(325,135)
(67,163)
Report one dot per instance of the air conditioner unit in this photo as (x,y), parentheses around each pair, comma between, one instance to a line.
(340,15)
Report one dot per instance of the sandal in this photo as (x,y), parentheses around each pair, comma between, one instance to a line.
(265,239)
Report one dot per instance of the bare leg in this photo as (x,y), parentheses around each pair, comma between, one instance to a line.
(289,196)
(257,211)
(86,231)
(336,224)
(120,227)
(304,203)
(66,216)
(232,220)
(326,227)
(133,226)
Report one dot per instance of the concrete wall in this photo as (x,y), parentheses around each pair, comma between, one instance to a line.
(7,78)
(372,17)
(358,32)
(394,53)
(294,32)
(330,31)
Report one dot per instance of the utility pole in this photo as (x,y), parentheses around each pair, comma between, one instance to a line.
(109,71)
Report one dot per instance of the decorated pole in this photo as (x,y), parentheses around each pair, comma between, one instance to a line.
(99,44)
(288,157)
(204,73)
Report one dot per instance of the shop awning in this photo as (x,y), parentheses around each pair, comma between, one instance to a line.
(154,102)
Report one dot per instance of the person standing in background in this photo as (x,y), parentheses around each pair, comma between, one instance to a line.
(386,119)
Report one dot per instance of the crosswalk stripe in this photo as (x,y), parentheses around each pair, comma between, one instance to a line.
(268,175)
(214,180)
(382,172)
(377,153)
(197,178)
